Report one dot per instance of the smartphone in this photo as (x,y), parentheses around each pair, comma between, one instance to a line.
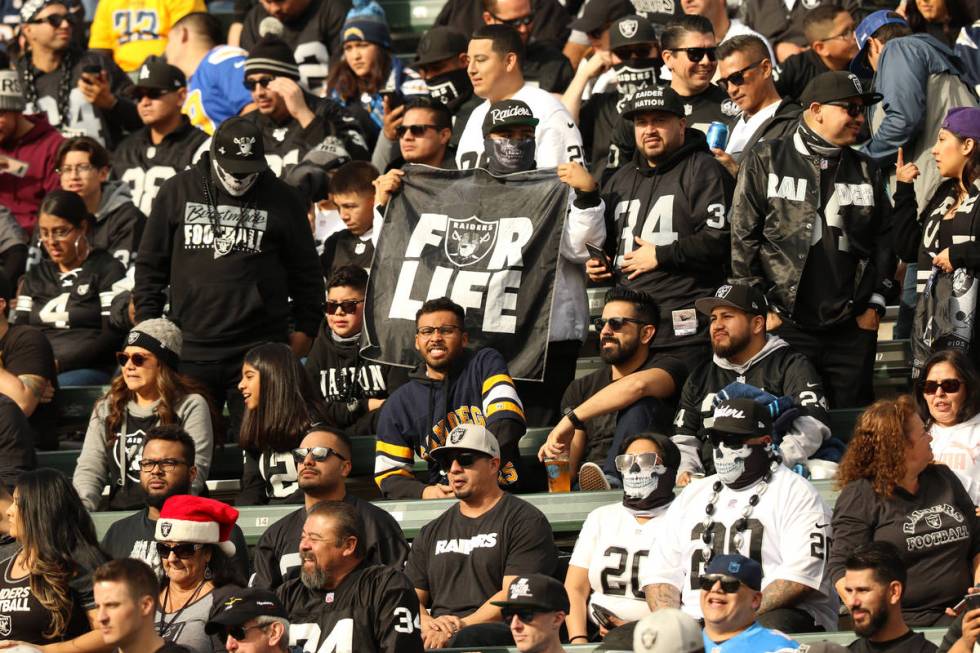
(969,602)
(599,254)
(601,616)
(395,99)
(92,69)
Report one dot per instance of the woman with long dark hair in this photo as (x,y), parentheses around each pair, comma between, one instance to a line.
(944,242)
(941,18)
(148,391)
(52,572)
(68,295)
(280,406)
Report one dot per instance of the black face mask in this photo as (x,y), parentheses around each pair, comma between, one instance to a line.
(634,74)
(506,156)
(661,494)
(452,88)
(738,468)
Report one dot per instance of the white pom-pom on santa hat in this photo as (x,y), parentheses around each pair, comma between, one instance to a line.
(186,518)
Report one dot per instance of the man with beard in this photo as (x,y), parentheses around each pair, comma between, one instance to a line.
(323,462)
(874,583)
(634,391)
(341,601)
(166,469)
(810,228)
(463,561)
(291,120)
(730,596)
(544,63)
(452,385)
(756,507)
(749,363)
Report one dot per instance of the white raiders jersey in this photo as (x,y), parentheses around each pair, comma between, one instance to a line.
(789,534)
(557,138)
(612,546)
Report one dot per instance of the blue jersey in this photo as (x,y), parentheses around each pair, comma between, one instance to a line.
(755,639)
(216,91)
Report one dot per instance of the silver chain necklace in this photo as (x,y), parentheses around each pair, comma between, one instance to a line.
(741,524)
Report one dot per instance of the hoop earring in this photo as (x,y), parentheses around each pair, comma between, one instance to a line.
(208,574)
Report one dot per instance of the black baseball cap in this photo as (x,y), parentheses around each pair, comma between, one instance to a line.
(631,30)
(160,75)
(743,417)
(737,566)
(438,44)
(508,113)
(238,146)
(598,13)
(745,298)
(835,86)
(537,592)
(654,98)
(243,605)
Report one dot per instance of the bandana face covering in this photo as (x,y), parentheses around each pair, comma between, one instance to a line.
(742,466)
(635,74)
(450,88)
(235,186)
(647,483)
(506,156)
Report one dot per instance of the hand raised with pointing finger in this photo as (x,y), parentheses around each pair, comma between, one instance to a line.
(905,172)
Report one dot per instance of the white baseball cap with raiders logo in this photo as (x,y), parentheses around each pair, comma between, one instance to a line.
(469,437)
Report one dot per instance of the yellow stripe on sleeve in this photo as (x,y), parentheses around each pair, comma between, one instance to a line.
(494,380)
(505,405)
(394,450)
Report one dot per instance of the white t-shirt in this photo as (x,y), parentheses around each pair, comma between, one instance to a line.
(789,534)
(612,546)
(557,139)
(958,447)
(743,129)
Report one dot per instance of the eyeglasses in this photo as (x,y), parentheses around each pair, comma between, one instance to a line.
(348,306)
(250,84)
(54,20)
(165,464)
(464,458)
(697,54)
(444,330)
(627,53)
(738,77)
(238,632)
(643,460)
(853,109)
(417,130)
(56,234)
(949,386)
(152,93)
(525,615)
(138,359)
(727,439)
(615,323)
(849,34)
(521,21)
(81,168)
(319,454)
(729,585)
(183,550)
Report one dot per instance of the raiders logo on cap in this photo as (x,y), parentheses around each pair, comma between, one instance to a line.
(165,528)
(857,82)
(723,291)
(628,28)
(456,435)
(133,336)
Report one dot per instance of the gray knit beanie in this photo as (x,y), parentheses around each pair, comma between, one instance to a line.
(159,336)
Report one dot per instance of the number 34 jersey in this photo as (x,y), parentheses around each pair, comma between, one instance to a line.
(788,534)
(613,546)
(374,610)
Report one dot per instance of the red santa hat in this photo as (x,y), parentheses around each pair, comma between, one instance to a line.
(186,518)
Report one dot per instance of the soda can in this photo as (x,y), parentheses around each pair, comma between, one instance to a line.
(717,135)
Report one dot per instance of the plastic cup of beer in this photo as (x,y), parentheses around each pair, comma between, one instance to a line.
(559,475)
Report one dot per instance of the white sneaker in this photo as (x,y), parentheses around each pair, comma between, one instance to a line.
(591,478)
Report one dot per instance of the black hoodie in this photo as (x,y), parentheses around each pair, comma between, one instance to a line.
(227,304)
(681,206)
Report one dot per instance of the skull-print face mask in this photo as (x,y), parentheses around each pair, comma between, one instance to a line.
(738,464)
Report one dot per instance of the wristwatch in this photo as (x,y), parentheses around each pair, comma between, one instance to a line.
(573,418)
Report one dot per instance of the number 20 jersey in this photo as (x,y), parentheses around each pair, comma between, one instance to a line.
(788,534)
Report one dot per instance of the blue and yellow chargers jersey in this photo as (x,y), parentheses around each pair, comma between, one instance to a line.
(216,91)
(136,29)
(413,423)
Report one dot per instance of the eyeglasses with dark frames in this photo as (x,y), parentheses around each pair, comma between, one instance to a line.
(165,464)
(729,584)
(183,550)
(54,20)
(348,306)
(697,54)
(525,615)
(949,386)
(615,323)
(250,84)
(151,93)
(738,77)
(418,131)
(319,454)
(520,21)
(853,109)
(138,359)
(445,330)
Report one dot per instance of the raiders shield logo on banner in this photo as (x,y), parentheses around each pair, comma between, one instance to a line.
(468,241)
(165,528)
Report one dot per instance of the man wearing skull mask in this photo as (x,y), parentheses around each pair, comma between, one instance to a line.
(753,506)
(233,243)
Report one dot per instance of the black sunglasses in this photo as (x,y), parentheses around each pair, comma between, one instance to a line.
(464,458)
(183,550)
(54,20)
(348,306)
(250,84)
(515,22)
(238,633)
(138,359)
(319,454)
(949,386)
(152,93)
(615,323)
(525,615)
(738,77)
(853,109)
(729,585)
(697,54)
(417,130)
(730,441)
